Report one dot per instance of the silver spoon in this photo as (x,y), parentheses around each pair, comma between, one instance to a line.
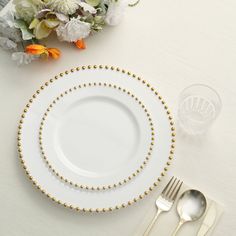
(191,206)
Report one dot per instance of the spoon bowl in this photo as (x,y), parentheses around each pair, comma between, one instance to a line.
(191,206)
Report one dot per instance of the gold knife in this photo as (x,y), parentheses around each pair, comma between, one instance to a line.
(208,221)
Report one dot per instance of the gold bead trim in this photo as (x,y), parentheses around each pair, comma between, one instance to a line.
(134,200)
(104,187)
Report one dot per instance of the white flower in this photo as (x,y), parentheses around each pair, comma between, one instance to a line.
(26,9)
(61,17)
(73,30)
(7,44)
(88,8)
(10,32)
(115,12)
(23,58)
(67,7)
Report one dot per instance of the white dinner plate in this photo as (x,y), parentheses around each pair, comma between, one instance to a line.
(82,142)
(122,130)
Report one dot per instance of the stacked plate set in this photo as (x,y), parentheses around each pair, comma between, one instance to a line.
(96,138)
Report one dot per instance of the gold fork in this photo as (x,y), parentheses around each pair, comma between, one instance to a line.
(165,201)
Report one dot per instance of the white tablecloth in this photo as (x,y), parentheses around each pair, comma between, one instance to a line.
(172,44)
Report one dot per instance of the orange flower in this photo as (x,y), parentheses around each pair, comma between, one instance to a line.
(80,44)
(37,49)
(54,53)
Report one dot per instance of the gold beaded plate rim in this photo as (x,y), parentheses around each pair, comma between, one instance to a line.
(131,76)
(101,187)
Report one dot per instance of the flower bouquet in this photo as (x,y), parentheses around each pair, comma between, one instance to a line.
(30,21)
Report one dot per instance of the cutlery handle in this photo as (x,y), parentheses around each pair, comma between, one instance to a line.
(150,226)
(177,228)
(203,230)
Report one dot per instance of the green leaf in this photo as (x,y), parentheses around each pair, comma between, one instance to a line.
(97,28)
(41,30)
(34,23)
(93,3)
(99,19)
(25,31)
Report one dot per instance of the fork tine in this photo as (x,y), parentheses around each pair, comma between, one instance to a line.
(170,189)
(176,192)
(173,191)
(166,187)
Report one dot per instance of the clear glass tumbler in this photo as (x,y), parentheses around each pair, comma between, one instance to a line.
(199,105)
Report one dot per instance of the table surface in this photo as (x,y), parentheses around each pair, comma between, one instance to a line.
(172,44)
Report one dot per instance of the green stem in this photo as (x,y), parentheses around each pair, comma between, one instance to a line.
(134,4)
